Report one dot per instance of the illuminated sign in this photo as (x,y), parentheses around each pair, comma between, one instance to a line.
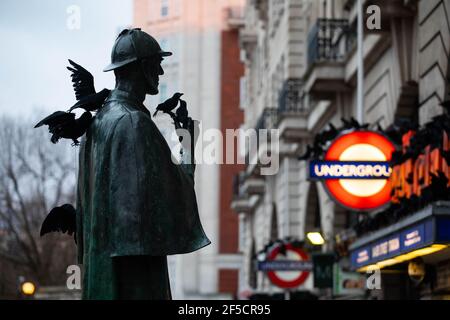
(414,237)
(362,256)
(393,245)
(349,170)
(433,230)
(414,174)
(355,170)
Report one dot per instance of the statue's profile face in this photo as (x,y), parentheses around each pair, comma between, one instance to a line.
(152,70)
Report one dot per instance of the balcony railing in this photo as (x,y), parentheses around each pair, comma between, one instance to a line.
(291,97)
(267,120)
(329,40)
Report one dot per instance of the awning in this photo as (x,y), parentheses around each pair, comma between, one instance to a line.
(422,233)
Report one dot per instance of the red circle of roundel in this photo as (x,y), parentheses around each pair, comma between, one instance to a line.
(335,188)
(303,275)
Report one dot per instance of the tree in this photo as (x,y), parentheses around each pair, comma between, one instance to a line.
(35,176)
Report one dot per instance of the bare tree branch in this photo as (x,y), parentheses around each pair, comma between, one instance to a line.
(34,176)
(11,258)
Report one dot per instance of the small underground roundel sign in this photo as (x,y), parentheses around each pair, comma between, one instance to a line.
(288,269)
(355,170)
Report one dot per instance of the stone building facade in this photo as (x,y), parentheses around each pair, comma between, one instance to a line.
(300,75)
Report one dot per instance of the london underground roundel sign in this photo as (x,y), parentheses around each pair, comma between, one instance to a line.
(355,170)
(294,271)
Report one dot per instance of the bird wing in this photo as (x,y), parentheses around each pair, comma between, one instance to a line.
(183,108)
(82,81)
(60,219)
(56,118)
(92,102)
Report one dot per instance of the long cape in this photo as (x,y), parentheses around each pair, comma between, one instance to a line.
(132,198)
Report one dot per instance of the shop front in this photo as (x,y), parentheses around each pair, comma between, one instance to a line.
(396,182)
(420,241)
(408,241)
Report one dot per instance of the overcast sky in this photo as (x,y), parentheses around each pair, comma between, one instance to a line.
(36,41)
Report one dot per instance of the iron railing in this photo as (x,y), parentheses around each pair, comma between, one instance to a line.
(329,40)
(268,120)
(291,97)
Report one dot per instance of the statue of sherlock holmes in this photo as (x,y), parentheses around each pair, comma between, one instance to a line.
(135,204)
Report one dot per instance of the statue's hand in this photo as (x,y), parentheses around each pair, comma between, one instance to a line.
(187,131)
(188,134)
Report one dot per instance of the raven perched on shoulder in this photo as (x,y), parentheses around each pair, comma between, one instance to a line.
(92,102)
(83,85)
(64,125)
(83,81)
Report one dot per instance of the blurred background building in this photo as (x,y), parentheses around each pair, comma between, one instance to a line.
(206,67)
(300,75)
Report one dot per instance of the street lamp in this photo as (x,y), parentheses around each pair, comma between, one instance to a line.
(28,289)
(315,238)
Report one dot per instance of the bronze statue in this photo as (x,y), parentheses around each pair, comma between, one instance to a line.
(135,205)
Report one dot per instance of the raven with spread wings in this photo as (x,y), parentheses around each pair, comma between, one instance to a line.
(83,85)
(63,124)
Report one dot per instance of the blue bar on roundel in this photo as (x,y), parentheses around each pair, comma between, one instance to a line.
(323,170)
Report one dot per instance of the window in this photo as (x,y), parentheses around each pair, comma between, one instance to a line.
(164,8)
